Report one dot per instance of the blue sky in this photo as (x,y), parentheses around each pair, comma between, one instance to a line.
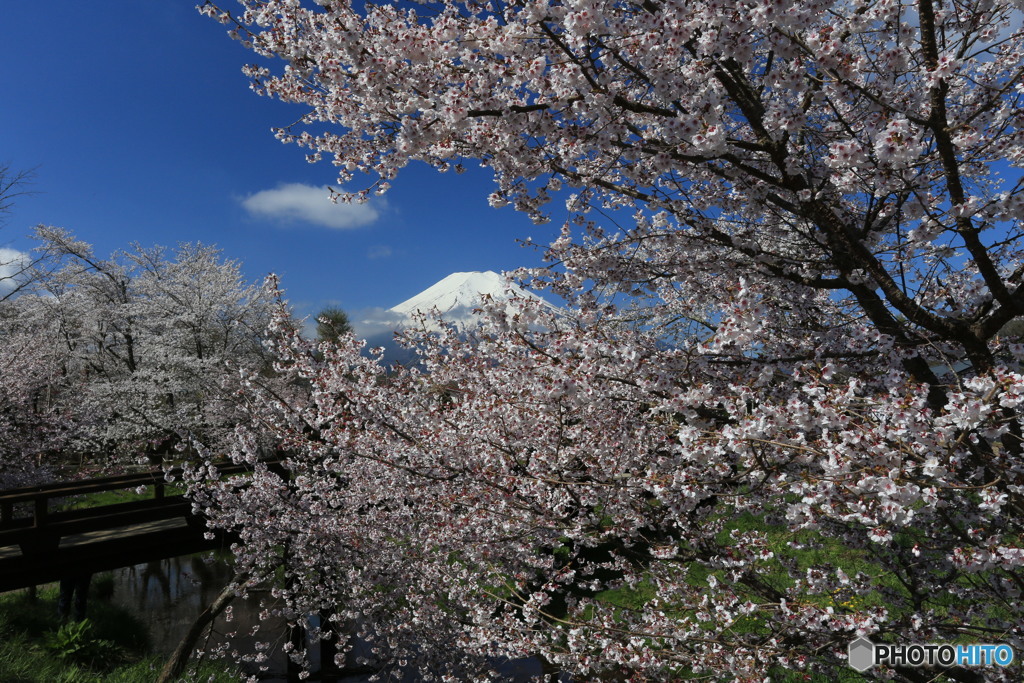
(141,127)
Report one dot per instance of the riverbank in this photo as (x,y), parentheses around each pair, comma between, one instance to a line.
(111,645)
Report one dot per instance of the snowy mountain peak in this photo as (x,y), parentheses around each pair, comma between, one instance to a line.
(455,297)
(461,291)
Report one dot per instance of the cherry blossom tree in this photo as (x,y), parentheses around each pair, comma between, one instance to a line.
(799,423)
(12,185)
(149,335)
(36,419)
(14,265)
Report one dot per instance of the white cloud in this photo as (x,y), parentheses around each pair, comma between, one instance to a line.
(12,266)
(379,251)
(372,323)
(296,202)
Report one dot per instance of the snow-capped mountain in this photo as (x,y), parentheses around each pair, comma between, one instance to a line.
(457,295)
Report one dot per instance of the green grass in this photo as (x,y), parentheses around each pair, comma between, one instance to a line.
(811,549)
(33,649)
(90,500)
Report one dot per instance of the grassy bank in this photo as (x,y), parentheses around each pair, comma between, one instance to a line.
(110,646)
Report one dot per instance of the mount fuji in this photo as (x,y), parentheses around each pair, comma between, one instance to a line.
(455,297)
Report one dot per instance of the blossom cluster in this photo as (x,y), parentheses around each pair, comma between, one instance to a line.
(122,356)
(783,409)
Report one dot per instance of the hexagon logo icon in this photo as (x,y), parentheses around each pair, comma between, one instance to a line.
(861,653)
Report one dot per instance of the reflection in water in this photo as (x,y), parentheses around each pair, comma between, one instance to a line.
(168,595)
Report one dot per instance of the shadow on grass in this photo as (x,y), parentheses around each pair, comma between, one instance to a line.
(110,647)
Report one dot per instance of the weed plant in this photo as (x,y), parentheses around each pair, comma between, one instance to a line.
(110,646)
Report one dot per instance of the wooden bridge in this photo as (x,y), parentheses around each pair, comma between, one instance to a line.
(39,544)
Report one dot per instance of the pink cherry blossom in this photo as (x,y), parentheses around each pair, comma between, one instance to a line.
(792,270)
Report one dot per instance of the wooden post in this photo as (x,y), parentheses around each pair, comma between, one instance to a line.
(42,505)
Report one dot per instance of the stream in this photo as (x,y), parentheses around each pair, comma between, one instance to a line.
(167,595)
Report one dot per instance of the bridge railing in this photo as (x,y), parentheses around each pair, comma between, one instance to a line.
(56,542)
(40,497)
